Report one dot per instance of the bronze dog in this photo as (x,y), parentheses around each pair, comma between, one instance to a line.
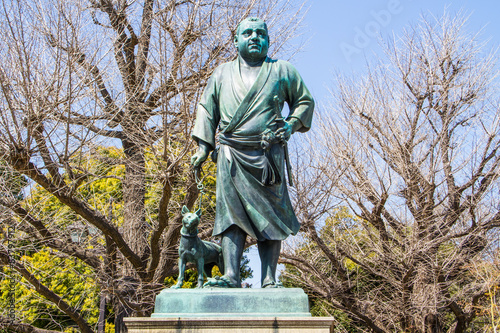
(192,249)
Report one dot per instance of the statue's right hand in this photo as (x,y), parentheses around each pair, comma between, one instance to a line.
(198,158)
(201,155)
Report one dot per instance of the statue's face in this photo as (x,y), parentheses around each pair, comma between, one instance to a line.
(252,40)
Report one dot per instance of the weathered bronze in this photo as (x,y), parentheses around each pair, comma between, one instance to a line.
(192,249)
(244,99)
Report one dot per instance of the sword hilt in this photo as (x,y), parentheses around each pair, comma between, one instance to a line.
(277,110)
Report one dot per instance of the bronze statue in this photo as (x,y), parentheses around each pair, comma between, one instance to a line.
(244,99)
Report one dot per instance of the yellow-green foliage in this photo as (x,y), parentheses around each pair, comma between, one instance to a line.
(97,181)
(190,278)
(69,279)
(96,190)
(106,184)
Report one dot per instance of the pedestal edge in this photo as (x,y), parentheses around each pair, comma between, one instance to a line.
(284,322)
(230,315)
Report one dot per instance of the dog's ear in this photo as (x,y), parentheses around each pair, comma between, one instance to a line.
(198,212)
(185,210)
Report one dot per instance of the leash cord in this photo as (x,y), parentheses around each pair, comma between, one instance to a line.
(199,184)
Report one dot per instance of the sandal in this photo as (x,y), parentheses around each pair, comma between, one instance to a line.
(273,284)
(219,282)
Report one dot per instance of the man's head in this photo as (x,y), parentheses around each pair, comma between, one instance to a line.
(252,39)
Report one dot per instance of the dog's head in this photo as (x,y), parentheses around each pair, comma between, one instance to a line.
(190,220)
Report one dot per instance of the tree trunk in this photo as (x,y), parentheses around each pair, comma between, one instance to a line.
(134,191)
(134,226)
(101,323)
(432,324)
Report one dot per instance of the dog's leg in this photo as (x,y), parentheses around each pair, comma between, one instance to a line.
(200,265)
(180,279)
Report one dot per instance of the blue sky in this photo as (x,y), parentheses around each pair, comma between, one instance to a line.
(335,28)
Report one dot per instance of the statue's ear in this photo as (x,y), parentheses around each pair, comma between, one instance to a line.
(185,210)
(198,212)
(235,41)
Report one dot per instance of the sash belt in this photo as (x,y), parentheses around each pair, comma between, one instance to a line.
(251,142)
(270,173)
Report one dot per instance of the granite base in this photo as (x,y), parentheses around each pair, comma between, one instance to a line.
(230,325)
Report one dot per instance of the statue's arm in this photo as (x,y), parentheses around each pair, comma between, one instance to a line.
(291,126)
(207,120)
(295,124)
(201,155)
(300,101)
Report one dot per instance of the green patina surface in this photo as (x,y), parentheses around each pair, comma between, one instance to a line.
(242,106)
(221,302)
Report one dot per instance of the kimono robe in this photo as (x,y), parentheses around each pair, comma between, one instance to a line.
(251,190)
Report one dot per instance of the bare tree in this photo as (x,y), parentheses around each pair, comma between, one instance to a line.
(412,150)
(78,75)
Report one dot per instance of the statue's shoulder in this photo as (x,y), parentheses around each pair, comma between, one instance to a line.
(222,68)
(284,67)
(281,63)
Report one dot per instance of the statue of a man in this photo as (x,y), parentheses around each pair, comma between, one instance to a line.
(244,98)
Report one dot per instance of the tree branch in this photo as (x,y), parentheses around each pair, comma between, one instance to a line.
(5,259)
(18,327)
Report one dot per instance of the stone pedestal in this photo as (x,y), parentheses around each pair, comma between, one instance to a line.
(237,302)
(231,325)
(242,310)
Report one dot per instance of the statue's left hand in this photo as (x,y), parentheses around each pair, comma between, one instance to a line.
(285,132)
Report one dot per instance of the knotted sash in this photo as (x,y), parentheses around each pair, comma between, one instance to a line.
(270,173)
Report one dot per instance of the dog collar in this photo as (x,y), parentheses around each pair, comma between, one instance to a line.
(189,235)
